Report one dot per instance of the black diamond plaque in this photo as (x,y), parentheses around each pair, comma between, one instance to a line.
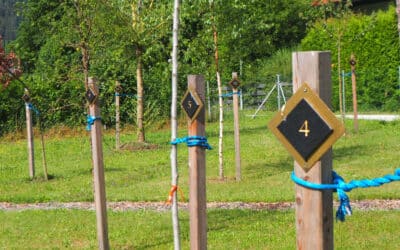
(234,83)
(191,104)
(304,129)
(91,96)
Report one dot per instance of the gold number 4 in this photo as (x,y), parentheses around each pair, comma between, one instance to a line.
(304,129)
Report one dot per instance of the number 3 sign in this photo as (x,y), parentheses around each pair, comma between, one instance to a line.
(306,127)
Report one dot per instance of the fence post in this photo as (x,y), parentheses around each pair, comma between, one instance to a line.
(29,131)
(235,95)
(314,215)
(197,172)
(354,88)
(98,165)
(118,90)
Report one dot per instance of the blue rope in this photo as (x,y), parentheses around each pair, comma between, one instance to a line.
(342,187)
(31,107)
(126,95)
(90,121)
(193,141)
(231,94)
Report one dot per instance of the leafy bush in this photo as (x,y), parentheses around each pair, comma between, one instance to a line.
(374,40)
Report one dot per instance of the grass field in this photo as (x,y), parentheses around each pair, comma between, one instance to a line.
(145,176)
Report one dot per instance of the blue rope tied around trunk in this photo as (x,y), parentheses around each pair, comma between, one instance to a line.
(90,121)
(342,187)
(193,141)
(231,94)
(31,107)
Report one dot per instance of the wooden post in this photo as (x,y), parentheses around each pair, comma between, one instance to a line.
(98,168)
(314,209)
(44,162)
(354,89)
(29,132)
(197,173)
(117,116)
(235,95)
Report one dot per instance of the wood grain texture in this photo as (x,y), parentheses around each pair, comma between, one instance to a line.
(314,209)
(197,172)
(98,172)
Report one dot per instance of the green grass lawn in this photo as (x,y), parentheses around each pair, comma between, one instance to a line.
(227,229)
(145,176)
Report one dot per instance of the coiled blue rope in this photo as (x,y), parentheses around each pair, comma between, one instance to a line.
(193,141)
(90,121)
(231,94)
(342,187)
(31,107)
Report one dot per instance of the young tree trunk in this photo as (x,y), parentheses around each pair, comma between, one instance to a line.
(140,101)
(220,103)
(174,128)
(85,63)
(398,15)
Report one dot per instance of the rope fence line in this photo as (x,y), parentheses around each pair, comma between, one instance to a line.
(193,141)
(32,107)
(341,187)
(90,121)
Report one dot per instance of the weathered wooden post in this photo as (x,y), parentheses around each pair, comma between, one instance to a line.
(314,209)
(354,90)
(307,127)
(193,104)
(235,83)
(29,131)
(118,91)
(94,124)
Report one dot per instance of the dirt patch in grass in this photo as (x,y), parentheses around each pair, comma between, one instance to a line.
(138,146)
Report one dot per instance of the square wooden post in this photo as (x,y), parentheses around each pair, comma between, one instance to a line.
(197,172)
(98,168)
(235,96)
(314,208)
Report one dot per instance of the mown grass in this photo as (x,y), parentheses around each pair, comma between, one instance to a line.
(145,175)
(227,229)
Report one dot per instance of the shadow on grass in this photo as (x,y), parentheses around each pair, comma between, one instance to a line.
(228,131)
(268,168)
(345,152)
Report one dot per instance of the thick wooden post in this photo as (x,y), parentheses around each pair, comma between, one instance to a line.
(117,116)
(197,172)
(354,90)
(314,209)
(235,95)
(98,169)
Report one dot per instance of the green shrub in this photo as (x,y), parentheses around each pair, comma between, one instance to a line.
(374,40)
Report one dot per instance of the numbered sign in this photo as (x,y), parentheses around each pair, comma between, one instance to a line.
(306,127)
(235,83)
(191,104)
(91,95)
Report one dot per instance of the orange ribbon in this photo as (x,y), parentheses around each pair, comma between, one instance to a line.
(171,194)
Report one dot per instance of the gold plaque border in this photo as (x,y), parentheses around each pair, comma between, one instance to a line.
(198,101)
(306,93)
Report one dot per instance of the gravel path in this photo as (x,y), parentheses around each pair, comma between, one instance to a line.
(162,206)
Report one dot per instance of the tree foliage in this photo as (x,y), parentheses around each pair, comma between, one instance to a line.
(374,41)
(58,41)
